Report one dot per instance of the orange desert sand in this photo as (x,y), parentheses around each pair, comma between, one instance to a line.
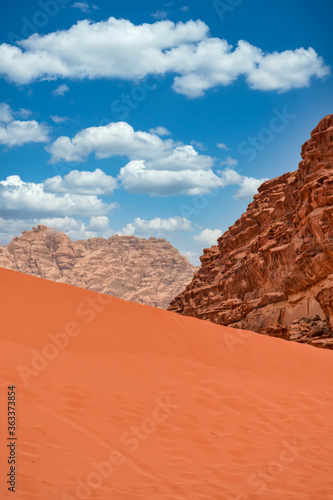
(117,400)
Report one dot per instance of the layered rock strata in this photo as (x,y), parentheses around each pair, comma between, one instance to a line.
(272,271)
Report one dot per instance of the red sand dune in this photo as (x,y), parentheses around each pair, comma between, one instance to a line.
(141,403)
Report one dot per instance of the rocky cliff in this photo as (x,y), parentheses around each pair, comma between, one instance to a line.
(146,271)
(272,271)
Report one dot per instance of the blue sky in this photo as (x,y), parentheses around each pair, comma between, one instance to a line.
(154,119)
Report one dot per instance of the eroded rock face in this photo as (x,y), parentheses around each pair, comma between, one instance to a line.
(146,271)
(274,267)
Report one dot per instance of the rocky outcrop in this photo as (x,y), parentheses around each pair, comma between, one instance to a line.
(146,271)
(273,269)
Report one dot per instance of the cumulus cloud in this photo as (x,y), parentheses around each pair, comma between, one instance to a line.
(208,237)
(248,188)
(60,90)
(98,226)
(75,229)
(120,139)
(82,182)
(99,223)
(161,131)
(19,199)
(156,227)
(291,69)
(137,178)
(9,228)
(17,132)
(116,48)
(159,167)
(248,185)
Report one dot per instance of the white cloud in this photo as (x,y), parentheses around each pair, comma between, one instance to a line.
(16,132)
(159,167)
(59,119)
(156,227)
(213,63)
(6,113)
(221,145)
(99,223)
(248,188)
(98,226)
(82,182)
(9,228)
(229,161)
(78,230)
(137,178)
(248,185)
(116,48)
(85,6)
(287,70)
(159,14)
(75,229)
(120,139)
(161,131)
(185,8)
(208,236)
(19,199)
(61,90)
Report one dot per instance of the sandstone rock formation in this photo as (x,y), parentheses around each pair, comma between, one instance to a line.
(146,271)
(272,271)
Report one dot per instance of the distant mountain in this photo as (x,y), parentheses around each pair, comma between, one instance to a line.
(146,271)
(272,271)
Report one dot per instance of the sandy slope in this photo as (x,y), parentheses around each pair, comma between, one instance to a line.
(146,404)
